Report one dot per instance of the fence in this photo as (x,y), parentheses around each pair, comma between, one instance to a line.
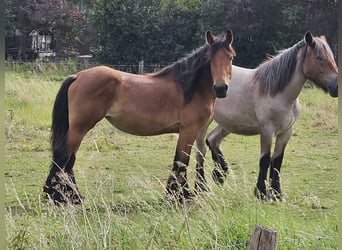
(75,66)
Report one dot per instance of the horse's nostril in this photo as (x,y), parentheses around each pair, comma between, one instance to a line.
(220,90)
(220,87)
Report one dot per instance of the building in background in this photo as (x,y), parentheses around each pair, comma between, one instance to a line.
(36,45)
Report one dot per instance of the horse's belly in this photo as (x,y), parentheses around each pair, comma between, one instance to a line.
(238,123)
(143,127)
(241,128)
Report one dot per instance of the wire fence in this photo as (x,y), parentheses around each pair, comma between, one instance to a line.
(72,67)
(75,66)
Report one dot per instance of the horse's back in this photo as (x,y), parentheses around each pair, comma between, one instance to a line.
(98,74)
(246,111)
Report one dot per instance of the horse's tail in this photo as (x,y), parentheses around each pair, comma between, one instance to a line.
(60,113)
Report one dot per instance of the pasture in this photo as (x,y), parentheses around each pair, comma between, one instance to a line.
(123,178)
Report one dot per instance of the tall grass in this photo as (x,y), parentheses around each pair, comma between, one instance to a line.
(123,178)
(29,99)
(222,219)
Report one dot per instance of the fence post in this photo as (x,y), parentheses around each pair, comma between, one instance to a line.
(141,67)
(263,238)
(86,59)
(38,67)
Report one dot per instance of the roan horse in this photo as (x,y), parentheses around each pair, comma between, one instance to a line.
(265,101)
(177,99)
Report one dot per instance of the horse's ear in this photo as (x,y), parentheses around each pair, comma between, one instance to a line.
(323,38)
(229,36)
(309,39)
(209,37)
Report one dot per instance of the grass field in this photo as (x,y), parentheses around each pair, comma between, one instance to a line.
(123,178)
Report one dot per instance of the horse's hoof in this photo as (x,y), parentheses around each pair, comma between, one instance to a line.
(270,195)
(62,190)
(178,195)
(201,187)
(219,176)
(62,194)
(277,196)
(179,198)
(280,198)
(260,195)
(76,198)
(177,189)
(60,199)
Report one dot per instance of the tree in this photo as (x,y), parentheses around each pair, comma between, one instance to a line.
(178,22)
(264,27)
(125,29)
(162,31)
(151,30)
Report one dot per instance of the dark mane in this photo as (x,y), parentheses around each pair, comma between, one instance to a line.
(186,70)
(275,73)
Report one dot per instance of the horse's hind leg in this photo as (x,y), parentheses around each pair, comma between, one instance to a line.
(277,159)
(213,141)
(61,184)
(57,184)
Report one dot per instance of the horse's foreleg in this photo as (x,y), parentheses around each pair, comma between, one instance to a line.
(277,159)
(201,183)
(177,186)
(264,163)
(214,139)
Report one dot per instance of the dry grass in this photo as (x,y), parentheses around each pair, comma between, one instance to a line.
(123,178)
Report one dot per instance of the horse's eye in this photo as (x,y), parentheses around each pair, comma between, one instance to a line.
(319,58)
(230,58)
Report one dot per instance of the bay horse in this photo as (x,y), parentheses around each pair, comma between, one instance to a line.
(177,99)
(264,101)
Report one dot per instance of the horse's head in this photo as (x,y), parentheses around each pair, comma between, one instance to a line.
(221,58)
(319,64)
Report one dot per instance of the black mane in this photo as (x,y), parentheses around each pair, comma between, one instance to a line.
(186,70)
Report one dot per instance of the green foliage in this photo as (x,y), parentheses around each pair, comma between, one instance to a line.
(130,31)
(173,28)
(162,31)
(184,5)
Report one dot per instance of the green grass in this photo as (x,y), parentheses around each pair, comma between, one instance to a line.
(123,178)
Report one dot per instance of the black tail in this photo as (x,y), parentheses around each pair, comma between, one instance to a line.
(60,113)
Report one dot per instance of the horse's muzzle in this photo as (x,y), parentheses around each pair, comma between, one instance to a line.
(220,90)
(333,92)
(333,88)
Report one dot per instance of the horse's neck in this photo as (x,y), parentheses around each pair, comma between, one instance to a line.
(295,86)
(205,79)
